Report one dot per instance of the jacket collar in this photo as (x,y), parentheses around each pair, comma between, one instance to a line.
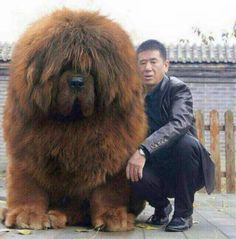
(164,83)
(160,87)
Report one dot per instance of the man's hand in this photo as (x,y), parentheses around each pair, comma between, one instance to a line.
(134,169)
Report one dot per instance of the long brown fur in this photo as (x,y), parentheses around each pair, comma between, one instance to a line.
(63,169)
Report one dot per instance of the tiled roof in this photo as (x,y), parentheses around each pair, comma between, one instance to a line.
(186,53)
(178,53)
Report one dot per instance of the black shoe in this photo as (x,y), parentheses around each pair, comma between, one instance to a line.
(179,224)
(160,217)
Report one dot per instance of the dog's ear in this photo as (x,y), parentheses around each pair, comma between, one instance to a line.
(39,89)
(34,69)
(42,95)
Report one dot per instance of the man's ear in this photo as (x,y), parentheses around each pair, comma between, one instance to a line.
(167,63)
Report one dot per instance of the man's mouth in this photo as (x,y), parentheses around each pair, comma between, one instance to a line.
(148,77)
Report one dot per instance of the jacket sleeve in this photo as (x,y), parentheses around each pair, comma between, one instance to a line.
(180,120)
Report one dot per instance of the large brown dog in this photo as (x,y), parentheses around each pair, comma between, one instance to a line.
(73,117)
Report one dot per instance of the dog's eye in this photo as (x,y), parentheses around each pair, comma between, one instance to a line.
(93,74)
(65,68)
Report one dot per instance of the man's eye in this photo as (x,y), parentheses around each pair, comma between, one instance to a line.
(142,63)
(153,62)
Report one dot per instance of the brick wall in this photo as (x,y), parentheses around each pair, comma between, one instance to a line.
(213,86)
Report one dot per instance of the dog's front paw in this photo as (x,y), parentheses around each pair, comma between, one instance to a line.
(57,219)
(31,218)
(26,217)
(115,219)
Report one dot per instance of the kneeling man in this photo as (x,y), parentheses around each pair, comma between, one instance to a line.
(170,162)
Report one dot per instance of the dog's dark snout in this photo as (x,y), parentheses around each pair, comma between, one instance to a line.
(76,82)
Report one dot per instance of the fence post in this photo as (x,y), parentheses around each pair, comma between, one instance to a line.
(200,126)
(215,147)
(229,152)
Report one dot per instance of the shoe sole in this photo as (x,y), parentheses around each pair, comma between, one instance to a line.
(158,224)
(177,230)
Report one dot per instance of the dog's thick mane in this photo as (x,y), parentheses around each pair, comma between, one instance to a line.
(84,48)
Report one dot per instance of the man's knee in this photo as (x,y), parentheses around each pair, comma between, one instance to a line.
(187,146)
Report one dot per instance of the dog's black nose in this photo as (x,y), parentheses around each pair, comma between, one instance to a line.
(76,82)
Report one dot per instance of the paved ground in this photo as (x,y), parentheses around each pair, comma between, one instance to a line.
(214,218)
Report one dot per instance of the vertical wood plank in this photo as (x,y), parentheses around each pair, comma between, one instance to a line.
(229,152)
(200,131)
(200,126)
(215,147)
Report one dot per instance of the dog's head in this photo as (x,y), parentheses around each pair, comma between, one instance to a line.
(74,64)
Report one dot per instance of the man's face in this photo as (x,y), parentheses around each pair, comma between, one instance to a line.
(152,67)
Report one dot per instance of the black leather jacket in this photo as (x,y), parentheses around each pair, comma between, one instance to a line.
(169,108)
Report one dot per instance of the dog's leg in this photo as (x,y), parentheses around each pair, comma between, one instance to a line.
(27,203)
(109,206)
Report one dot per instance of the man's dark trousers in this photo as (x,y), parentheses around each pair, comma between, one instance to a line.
(176,172)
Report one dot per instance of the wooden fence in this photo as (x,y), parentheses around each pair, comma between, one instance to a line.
(214,127)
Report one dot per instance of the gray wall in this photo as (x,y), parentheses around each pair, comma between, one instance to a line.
(213,86)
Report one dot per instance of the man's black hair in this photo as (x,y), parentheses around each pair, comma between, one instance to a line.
(152,45)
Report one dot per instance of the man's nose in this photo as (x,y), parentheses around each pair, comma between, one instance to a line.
(148,66)
(76,82)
